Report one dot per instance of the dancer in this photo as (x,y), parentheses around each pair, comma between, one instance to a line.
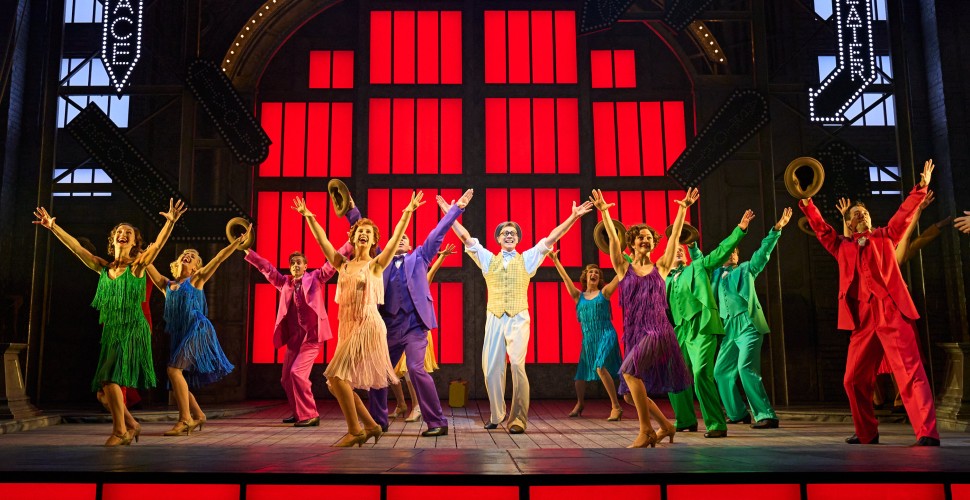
(361,360)
(195,358)
(302,324)
(507,317)
(408,312)
(653,362)
(126,346)
(875,305)
(430,363)
(600,355)
(697,323)
(744,327)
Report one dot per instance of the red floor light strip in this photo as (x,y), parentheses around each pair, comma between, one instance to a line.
(733,491)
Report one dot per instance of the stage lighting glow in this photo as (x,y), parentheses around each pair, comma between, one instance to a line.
(121,39)
(856,66)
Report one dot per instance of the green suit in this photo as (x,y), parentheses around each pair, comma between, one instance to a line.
(696,322)
(745,325)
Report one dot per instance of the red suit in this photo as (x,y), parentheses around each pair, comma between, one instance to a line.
(874,303)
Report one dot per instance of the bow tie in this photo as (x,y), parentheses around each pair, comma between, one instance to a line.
(506,253)
(399,257)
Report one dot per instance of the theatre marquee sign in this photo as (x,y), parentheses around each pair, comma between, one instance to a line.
(121,39)
(855,63)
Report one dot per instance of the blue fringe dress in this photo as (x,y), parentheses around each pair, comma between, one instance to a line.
(194,345)
(601,349)
(126,341)
(652,352)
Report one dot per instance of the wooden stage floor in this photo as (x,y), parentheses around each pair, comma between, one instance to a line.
(257,443)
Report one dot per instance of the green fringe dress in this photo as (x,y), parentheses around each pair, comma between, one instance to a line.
(126,341)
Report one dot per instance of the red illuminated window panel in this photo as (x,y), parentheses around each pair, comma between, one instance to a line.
(33,491)
(331,69)
(613,69)
(409,47)
(523,47)
(960,491)
(531,136)
(308,139)
(701,491)
(277,491)
(637,139)
(414,136)
(463,492)
(639,492)
(876,491)
(166,491)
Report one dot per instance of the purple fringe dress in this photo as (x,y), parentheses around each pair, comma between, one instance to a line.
(652,353)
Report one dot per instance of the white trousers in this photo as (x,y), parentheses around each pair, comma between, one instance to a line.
(506,335)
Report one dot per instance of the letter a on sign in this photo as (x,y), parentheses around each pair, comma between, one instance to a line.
(121,39)
(855,68)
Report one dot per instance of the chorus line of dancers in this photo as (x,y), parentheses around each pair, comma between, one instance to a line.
(674,312)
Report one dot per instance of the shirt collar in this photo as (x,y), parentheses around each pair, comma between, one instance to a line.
(506,253)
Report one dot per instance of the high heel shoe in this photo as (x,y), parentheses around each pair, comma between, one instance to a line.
(399,411)
(349,440)
(415,415)
(667,433)
(615,415)
(376,432)
(119,440)
(182,427)
(198,425)
(577,411)
(135,432)
(650,441)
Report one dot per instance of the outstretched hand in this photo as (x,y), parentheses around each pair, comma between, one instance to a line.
(962,223)
(843,205)
(299,204)
(783,220)
(43,218)
(927,173)
(689,198)
(746,219)
(465,198)
(175,210)
(245,234)
(599,201)
(449,249)
(583,209)
(416,202)
(554,255)
(930,198)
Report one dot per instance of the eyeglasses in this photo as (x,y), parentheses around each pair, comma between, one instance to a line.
(508,233)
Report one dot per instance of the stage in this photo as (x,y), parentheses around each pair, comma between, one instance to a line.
(250,454)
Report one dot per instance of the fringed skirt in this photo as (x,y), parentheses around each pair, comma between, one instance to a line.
(654,356)
(198,353)
(126,355)
(600,349)
(362,357)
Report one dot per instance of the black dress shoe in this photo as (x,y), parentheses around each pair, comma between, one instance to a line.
(689,428)
(436,431)
(310,422)
(853,439)
(766,423)
(926,441)
(516,429)
(289,420)
(715,434)
(384,428)
(489,426)
(743,420)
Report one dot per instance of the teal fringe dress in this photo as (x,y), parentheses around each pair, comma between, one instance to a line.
(126,341)
(194,346)
(601,349)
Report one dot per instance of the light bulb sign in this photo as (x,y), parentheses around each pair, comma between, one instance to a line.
(121,39)
(855,63)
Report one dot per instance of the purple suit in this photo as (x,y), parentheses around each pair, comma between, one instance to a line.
(301,324)
(408,311)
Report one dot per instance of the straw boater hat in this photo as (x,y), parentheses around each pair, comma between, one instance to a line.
(340,196)
(232,234)
(791,179)
(602,239)
(688,234)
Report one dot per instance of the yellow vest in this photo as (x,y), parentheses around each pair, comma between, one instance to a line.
(507,286)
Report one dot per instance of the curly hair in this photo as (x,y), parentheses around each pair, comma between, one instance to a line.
(176,265)
(377,233)
(634,231)
(139,242)
(583,276)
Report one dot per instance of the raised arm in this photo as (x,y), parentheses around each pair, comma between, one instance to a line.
(666,261)
(334,257)
(570,287)
(444,253)
(610,287)
(843,206)
(210,268)
(266,268)
(902,218)
(384,258)
(823,231)
(716,258)
(156,277)
(93,262)
(577,213)
(759,259)
(906,242)
(175,210)
(620,265)
(455,226)
(429,247)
